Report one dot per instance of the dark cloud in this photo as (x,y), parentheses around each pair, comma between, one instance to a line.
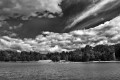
(71,9)
(28,7)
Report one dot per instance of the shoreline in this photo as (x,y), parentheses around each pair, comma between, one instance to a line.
(47,62)
(105,61)
(90,62)
(84,62)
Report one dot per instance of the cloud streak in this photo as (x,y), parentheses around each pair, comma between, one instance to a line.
(92,11)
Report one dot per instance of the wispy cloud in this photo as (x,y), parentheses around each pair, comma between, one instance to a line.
(93,10)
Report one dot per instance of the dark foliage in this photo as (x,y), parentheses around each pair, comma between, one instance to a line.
(97,53)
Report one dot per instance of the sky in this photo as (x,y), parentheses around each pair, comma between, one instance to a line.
(103,16)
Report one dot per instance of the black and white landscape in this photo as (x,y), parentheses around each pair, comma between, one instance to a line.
(62,31)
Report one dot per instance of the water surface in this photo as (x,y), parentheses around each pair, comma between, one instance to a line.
(60,71)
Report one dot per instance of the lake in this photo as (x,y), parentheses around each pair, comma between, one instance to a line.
(59,71)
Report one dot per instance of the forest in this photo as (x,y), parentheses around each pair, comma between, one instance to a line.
(89,53)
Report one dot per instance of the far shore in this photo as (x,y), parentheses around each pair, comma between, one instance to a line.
(104,61)
(48,61)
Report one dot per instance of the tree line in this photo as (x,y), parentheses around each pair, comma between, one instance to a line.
(97,53)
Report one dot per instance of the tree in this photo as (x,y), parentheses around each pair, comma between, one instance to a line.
(117,51)
(2,56)
(88,53)
(107,52)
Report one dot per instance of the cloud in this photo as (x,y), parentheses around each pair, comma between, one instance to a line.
(107,33)
(28,7)
(102,5)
